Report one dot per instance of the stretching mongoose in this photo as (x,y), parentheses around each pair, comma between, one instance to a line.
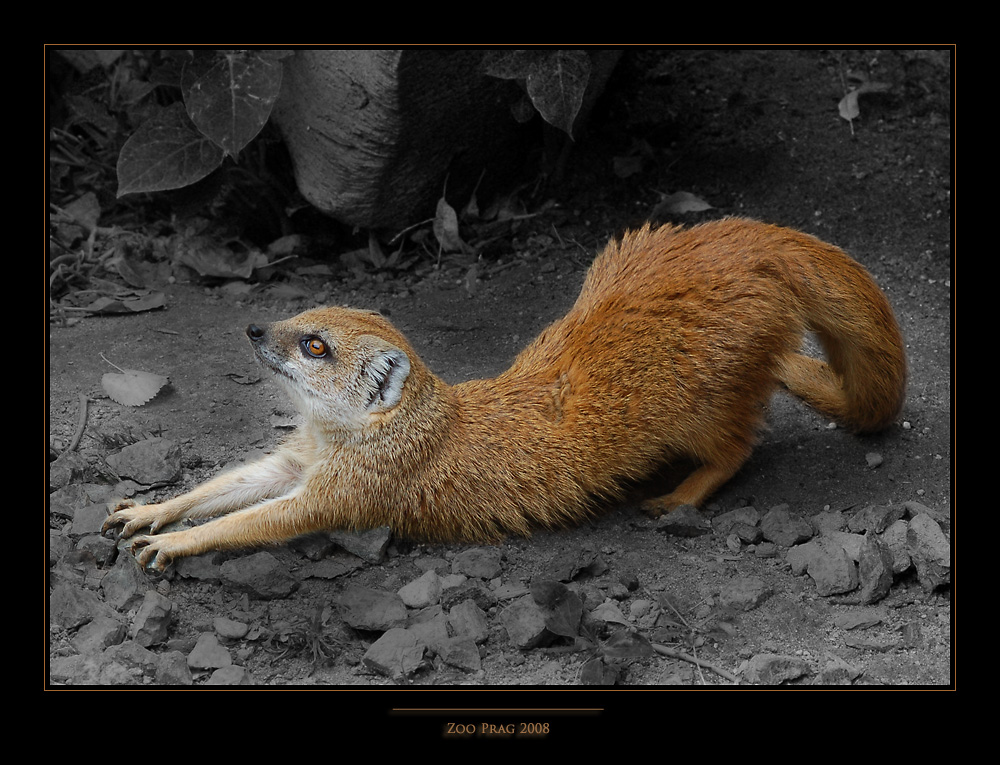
(672,350)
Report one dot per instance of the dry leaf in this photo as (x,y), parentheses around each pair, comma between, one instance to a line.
(131,387)
(678,203)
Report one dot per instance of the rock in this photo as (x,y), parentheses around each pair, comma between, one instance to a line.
(369,545)
(930,551)
(152,460)
(466,619)
(827,563)
(852,543)
(914,509)
(875,518)
(101,548)
(172,669)
(87,520)
(744,593)
(828,520)
(64,502)
(471,589)
(231,675)
(874,459)
(333,566)
(430,627)
(685,521)
(209,653)
(783,528)
(204,567)
(423,591)
(774,669)
(568,565)
(126,582)
(745,516)
(152,620)
(260,575)
(98,634)
(859,618)
(894,539)
(397,654)
(838,672)
(461,652)
(524,622)
(478,562)
(365,608)
(71,607)
(314,546)
(747,534)
(874,570)
(230,629)
(375,135)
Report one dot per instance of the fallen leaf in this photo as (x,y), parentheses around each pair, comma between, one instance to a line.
(680,202)
(132,387)
(446,228)
(848,106)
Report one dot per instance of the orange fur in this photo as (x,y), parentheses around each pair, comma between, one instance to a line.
(674,346)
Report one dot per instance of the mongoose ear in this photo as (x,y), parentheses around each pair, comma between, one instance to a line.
(383,375)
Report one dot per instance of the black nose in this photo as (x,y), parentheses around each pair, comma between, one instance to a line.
(254,332)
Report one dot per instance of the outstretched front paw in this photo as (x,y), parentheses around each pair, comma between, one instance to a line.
(132,517)
(152,551)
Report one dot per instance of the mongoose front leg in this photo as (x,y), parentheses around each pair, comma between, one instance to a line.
(272,522)
(241,487)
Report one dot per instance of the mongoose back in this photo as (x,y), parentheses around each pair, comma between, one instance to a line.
(673,348)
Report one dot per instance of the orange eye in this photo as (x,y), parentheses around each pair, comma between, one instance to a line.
(314,347)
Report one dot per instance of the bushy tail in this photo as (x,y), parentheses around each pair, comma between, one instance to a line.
(863,382)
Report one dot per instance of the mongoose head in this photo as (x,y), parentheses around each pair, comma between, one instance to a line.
(342,368)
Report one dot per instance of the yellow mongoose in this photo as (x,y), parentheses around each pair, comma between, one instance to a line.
(675,344)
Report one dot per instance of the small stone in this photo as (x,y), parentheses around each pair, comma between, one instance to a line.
(208,653)
(827,563)
(875,518)
(230,629)
(260,575)
(231,675)
(685,521)
(423,591)
(368,545)
(461,652)
(152,460)
(365,608)
(874,459)
(396,654)
(930,551)
(722,524)
(468,620)
(98,634)
(152,620)
(783,528)
(744,593)
(874,570)
(524,621)
(774,669)
(478,562)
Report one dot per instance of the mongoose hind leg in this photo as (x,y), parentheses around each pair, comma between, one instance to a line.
(693,490)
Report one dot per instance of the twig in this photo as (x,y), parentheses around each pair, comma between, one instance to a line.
(669,652)
(80,424)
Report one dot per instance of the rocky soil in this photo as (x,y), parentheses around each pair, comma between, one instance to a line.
(827,561)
